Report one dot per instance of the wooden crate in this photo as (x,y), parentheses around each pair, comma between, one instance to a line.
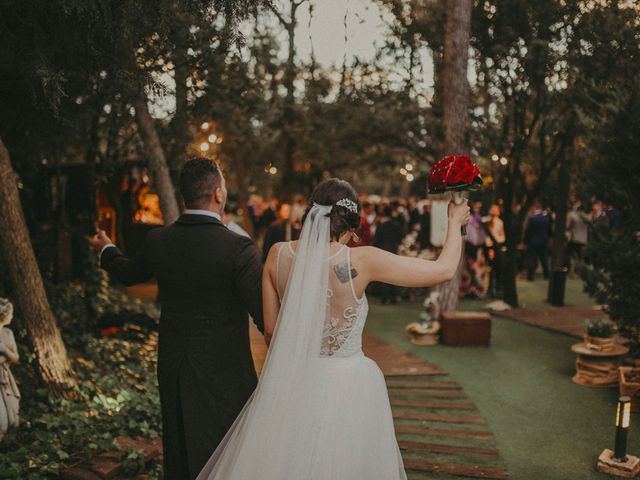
(630,389)
(466,329)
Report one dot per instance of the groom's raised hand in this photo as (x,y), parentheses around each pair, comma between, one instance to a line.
(99,241)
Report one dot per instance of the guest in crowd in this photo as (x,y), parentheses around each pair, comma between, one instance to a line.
(229,219)
(367,223)
(613,215)
(472,281)
(398,214)
(495,243)
(577,232)
(270,212)
(424,221)
(388,237)
(537,233)
(283,230)
(413,212)
(255,209)
(598,213)
(298,208)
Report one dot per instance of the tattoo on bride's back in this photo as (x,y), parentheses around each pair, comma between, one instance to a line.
(342,272)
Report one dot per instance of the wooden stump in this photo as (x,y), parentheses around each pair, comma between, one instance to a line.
(597,368)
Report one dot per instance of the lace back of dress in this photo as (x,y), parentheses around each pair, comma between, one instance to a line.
(344,319)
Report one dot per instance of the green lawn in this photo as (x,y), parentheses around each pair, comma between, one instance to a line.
(546,427)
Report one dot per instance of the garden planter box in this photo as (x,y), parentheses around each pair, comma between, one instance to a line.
(466,329)
(630,385)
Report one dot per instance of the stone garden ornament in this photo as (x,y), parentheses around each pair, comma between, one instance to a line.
(9,393)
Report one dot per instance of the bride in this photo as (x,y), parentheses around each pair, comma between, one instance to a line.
(321,409)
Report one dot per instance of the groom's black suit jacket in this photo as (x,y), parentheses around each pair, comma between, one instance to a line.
(208,278)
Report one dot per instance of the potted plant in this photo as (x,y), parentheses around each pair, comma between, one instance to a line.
(600,333)
(630,385)
(427,331)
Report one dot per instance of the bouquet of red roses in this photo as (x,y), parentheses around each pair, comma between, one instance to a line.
(455,174)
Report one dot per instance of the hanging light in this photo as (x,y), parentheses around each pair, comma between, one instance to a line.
(204,126)
(495,157)
(409,166)
(212,138)
(204,147)
(503,161)
(273,170)
(403,171)
(410,177)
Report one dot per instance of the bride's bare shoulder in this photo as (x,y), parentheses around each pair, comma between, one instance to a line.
(273,254)
(363,254)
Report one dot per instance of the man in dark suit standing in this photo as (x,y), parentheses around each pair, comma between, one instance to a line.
(536,236)
(388,237)
(209,278)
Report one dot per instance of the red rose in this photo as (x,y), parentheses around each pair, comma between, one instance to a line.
(445,163)
(469,173)
(432,180)
(435,180)
(455,175)
(462,161)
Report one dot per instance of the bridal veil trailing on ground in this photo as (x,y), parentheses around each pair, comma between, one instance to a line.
(321,409)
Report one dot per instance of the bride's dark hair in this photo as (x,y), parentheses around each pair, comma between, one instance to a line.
(328,193)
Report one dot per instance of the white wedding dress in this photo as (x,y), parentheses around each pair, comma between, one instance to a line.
(321,409)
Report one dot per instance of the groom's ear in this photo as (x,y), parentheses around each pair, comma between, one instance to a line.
(218,195)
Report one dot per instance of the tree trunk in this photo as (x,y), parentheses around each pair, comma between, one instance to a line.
(288,120)
(158,162)
(15,245)
(513,232)
(509,274)
(455,110)
(456,86)
(180,122)
(558,257)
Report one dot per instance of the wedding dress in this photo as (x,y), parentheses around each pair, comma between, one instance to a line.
(321,409)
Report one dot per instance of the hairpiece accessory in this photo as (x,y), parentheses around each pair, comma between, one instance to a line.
(348,204)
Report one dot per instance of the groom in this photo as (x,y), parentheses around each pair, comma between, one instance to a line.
(208,279)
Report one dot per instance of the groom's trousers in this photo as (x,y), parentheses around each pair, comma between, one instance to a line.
(203,386)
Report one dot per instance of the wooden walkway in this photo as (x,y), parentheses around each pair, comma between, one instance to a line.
(567,320)
(439,430)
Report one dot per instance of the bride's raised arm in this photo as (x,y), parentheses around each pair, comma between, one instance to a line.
(375,265)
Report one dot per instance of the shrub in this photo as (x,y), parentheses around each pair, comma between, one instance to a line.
(117,384)
(613,251)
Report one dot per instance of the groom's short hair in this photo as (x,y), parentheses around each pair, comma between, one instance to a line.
(199,179)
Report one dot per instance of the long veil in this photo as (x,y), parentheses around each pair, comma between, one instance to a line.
(279,417)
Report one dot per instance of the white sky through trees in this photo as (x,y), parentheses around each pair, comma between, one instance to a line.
(326,36)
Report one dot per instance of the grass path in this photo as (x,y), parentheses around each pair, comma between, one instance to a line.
(545,426)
